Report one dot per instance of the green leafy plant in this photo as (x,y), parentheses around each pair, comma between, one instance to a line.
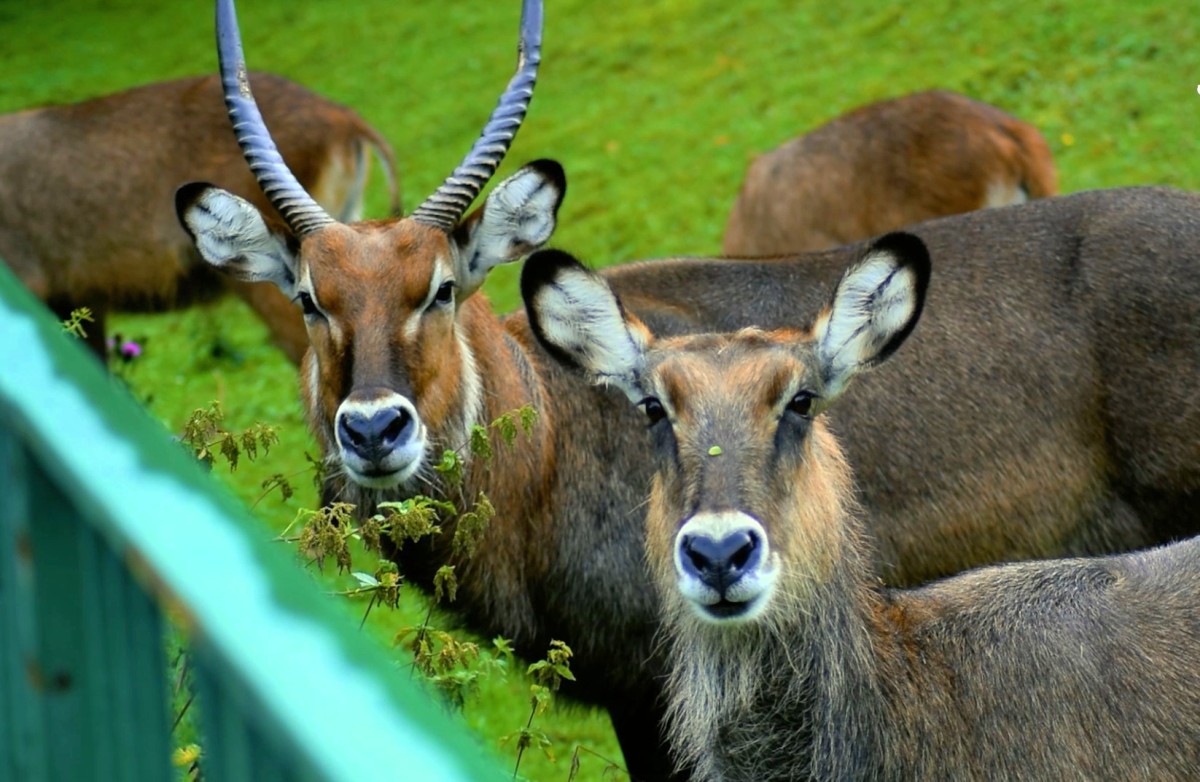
(453,667)
(547,675)
(205,434)
(74,324)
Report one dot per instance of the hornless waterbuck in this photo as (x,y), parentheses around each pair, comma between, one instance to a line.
(788,659)
(1049,421)
(86,215)
(884,166)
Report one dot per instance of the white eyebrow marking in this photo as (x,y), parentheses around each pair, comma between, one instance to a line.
(413,322)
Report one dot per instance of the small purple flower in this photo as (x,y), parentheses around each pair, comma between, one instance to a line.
(130,350)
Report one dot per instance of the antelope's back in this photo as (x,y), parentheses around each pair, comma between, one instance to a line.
(87,189)
(884,166)
(1123,704)
(1042,406)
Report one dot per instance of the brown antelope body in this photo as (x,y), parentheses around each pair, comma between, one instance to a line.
(884,166)
(788,659)
(1007,456)
(86,192)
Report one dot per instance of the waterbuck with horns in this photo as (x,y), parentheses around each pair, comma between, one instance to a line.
(86,215)
(1091,452)
(884,166)
(788,659)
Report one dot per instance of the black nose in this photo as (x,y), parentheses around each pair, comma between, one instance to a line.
(720,563)
(372,437)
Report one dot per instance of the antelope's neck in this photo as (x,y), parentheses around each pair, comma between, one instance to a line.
(802,699)
(506,377)
(498,379)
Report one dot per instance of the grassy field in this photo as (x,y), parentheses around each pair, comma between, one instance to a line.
(654,109)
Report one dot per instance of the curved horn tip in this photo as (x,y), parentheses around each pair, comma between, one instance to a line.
(531,17)
(299,210)
(463,186)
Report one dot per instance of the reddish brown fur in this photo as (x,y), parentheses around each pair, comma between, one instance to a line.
(884,166)
(87,213)
(371,300)
(724,391)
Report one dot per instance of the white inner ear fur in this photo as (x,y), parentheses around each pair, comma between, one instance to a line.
(231,235)
(579,315)
(873,302)
(518,217)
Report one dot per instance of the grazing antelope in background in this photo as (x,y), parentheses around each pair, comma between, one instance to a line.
(86,215)
(1092,452)
(788,659)
(884,166)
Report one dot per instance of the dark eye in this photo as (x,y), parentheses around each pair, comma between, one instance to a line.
(654,410)
(445,293)
(801,404)
(306,304)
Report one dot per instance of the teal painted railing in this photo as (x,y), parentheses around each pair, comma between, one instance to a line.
(105,525)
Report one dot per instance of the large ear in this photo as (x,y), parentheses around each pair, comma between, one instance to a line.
(580,321)
(518,217)
(874,309)
(232,235)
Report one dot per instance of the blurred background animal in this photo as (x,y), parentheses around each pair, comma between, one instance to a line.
(884,166)
(87,208)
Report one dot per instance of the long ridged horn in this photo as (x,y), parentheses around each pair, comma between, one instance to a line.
(302,214)
(449,202)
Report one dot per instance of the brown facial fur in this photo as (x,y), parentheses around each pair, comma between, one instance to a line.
(729,392)
(371,280)
(1013,425)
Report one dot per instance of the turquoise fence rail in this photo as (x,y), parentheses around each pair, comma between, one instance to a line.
(105,527)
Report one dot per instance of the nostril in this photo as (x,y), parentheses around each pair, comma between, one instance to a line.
(699,562)
(743,547)
(702,555)
(397,422)
(350,427)
(741,557)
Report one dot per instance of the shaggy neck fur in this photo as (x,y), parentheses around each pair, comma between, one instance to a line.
(796,694)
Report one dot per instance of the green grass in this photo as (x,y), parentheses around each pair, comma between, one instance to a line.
(654,109)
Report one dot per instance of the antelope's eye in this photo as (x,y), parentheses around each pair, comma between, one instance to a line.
(307,304)
(445,293)
(801,404)
(654,410)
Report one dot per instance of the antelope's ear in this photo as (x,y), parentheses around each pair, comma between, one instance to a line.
(518,217)
(231,235)
(874,308)
(580,321)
